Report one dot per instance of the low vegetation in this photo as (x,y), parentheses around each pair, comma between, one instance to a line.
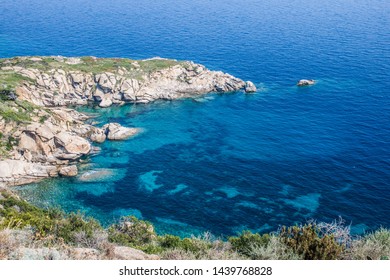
(9,80)
(23,225)
(85,64)
(14,112)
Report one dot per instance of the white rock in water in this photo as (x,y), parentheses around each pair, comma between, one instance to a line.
(305,82)
(98,135)
(115,131)
(250,87)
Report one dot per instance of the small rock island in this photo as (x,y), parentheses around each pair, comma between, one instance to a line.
(41,137)
(305,82)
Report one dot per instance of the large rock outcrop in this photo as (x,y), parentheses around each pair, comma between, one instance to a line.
(136,84)
(18,172)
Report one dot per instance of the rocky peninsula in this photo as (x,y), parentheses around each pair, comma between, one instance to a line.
(41,136)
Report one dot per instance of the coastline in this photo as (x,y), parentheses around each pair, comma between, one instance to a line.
(45,139)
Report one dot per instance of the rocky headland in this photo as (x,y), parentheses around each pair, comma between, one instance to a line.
(41,136)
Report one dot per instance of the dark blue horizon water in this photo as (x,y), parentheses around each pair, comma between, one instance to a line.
(224,163)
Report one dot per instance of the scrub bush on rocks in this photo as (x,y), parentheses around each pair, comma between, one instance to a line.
(132,231)
(308,241)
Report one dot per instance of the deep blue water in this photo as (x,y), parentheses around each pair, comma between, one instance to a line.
(224,163)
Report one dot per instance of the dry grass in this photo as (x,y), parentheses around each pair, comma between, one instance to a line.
(274,250)
(374,246)
(11,240)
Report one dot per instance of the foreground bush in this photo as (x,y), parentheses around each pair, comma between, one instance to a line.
(132,232)
(51,224)
(373,246)
(308,241)
(248,241)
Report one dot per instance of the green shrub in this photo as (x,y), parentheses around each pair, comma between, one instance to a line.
(132,232)
(27,106)
(169,241)
(245,242)
(308,242)
(77,223)
(20,214)
(10,114)
(10,80)
(42,119)
(193,244)
(11,143)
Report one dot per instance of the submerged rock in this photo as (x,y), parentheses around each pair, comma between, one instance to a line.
(305,82)
(97,175)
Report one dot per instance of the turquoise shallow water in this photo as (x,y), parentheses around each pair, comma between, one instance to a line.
(224,163)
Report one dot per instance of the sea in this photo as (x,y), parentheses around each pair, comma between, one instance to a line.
(224,163)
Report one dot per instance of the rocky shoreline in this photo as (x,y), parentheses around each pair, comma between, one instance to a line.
(42,137)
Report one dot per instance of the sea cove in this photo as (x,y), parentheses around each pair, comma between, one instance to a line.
(219,164)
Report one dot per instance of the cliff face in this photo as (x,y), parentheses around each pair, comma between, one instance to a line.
(42,138)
